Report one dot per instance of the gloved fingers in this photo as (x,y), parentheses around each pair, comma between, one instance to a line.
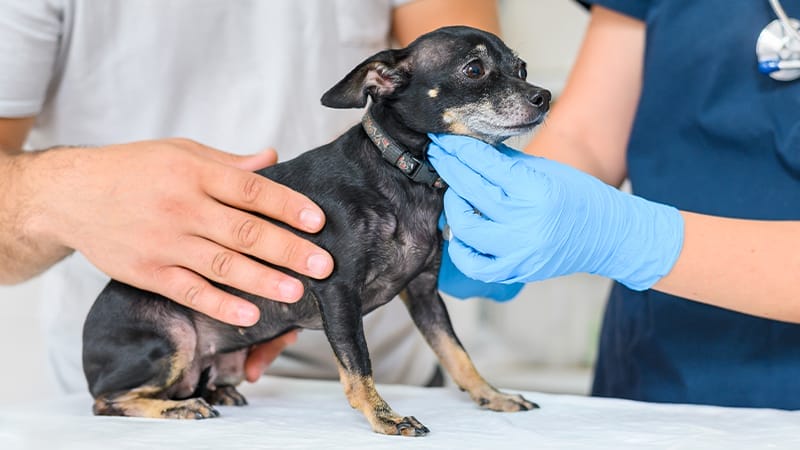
(462,218)
(514,153)
(484,267)
(454,283)
(484,196)
(475,229)
(512,171)
(469,261)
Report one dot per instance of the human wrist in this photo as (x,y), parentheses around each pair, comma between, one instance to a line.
(25,248)
(42,178)
(649,241)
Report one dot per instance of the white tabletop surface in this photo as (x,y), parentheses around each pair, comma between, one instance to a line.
(289,414)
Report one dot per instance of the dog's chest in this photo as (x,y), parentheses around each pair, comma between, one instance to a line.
(407,245)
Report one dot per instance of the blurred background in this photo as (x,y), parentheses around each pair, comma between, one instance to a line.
(544,340)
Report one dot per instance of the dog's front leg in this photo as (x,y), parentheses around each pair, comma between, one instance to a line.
(427,308)
(341,316)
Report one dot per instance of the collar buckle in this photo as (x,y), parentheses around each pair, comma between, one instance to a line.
(420,171)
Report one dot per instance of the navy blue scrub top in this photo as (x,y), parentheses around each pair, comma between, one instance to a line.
(711,135)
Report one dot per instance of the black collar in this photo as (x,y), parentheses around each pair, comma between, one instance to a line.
(419,171)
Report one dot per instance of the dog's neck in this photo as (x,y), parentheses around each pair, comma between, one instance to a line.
(401,147)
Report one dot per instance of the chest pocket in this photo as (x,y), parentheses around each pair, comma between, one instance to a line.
(363,22)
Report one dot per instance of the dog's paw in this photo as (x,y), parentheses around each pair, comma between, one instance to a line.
(498,401)
(225,396)
(488,397)
(194,408)
(133,405)
(401,426)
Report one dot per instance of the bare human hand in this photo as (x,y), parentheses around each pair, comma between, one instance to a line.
(167,216)
(261,356)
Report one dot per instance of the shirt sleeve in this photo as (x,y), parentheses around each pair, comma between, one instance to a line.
(30,32)
(633,8)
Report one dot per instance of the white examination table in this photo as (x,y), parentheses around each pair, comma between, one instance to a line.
(303,414)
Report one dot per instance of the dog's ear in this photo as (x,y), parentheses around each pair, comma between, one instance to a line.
(378,76)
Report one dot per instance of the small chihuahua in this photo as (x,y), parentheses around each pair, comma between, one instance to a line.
(144,355)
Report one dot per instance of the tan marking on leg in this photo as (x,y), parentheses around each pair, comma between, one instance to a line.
(179,362)
(140,403)
(459,365)
(362,395)
(150,401)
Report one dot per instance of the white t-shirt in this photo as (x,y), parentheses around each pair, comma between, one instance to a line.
(236,75)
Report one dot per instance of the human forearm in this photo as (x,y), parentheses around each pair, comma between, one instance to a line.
(23,252)
(415,18)
(589,124)
(748,266)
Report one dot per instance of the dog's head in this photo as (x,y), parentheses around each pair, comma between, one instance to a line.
(456,80)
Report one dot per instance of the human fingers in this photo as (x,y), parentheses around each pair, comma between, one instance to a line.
(262,355)
(250,234)
(249,163)
(193,291)
(253,192)
(257,161)
(469,261)
(246,233)
(229,267)
(514,172)
(494,269)
(283,203)
(475,230)
(485,196)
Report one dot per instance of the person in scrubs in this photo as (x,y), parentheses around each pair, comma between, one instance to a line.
(706,252)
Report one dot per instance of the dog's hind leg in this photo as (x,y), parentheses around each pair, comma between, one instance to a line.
(139,403)
(229,372)
(154,399)
(144,368)
(429,313)
(214,386)
(343,326)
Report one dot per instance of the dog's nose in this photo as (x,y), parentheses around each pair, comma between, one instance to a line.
(540,98)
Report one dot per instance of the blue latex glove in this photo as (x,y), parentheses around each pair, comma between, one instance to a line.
(541,219)
(458,285)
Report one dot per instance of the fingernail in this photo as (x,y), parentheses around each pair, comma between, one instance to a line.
(290,290)
(311,219)
(318,264)
(247,316)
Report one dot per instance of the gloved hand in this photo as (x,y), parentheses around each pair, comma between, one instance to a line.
(540,219)
(458,285)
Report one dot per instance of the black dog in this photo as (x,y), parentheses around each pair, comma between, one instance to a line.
(144,355)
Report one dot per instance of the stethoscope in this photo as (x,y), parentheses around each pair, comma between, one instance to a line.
(778,46)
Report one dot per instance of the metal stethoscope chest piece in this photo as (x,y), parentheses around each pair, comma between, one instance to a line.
(778,46)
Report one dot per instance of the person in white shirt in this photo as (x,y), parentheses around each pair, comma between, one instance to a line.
(81,77)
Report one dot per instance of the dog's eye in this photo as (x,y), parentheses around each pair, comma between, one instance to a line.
(474,69)
(523,73)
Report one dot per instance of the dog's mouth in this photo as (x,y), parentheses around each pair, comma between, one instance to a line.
(526,126)
(488,127)
(493,123)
